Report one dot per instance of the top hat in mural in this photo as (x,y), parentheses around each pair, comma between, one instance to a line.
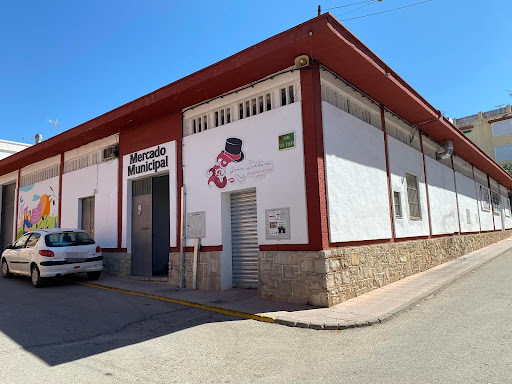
(233,149)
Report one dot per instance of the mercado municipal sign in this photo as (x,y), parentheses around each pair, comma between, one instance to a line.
(152,160)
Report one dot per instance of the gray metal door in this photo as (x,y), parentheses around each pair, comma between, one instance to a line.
(88,215)
(8,193)
(244,233)
(142,230)
(161,225)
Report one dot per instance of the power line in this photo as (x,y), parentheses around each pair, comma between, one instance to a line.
(357,9)
(389,10)
(349,5)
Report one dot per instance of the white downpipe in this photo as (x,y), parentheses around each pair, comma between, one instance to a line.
(183,237)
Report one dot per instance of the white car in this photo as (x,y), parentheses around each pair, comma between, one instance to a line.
(53,252)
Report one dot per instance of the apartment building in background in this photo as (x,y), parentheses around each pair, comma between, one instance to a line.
(491,131)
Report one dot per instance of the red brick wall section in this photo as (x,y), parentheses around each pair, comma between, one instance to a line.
(145,136)
(318,228)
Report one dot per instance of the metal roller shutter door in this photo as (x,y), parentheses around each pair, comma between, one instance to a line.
(244,233)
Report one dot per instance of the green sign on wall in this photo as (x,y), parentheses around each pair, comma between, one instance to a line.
(287,141)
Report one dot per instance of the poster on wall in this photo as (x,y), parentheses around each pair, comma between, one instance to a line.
(38,206)
(277,223)
(485,199)
(232,166)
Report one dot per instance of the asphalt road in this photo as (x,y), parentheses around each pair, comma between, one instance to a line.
(68,333)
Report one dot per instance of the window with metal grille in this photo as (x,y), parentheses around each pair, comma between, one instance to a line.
(142,187)
(413,196)
(398,204)
(38,176)
(200,124)
(496,202)
(287,95)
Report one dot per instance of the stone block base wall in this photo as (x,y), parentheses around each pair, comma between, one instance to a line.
(208,271)
(291,276)
(117,264)
(326,278)
(353,271)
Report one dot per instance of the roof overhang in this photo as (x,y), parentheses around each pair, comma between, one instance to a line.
(323,39)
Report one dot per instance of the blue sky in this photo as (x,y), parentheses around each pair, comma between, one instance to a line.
(72,61)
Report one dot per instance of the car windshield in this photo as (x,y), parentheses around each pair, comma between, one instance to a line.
(68,239)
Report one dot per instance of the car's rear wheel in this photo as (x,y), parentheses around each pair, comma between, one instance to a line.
(94,275)
(5,269)
(37,280)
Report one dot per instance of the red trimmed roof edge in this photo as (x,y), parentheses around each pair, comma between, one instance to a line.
(325,40)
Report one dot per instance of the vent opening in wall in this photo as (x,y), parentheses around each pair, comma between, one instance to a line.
(413,197)
(110,153)
(398,205)
(38,176)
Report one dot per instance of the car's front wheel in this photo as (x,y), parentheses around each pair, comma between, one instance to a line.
(37,280)
(5,269)
(94,275)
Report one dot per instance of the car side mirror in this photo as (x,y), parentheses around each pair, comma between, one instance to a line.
(9,246)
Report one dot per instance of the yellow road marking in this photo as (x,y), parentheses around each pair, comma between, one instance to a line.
(245,315)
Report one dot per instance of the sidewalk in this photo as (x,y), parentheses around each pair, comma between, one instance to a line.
(371,308)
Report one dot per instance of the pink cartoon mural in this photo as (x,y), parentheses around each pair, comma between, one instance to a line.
(37,210)
(232,167)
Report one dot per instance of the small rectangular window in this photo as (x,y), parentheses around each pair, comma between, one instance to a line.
(199,123)
(228,115)
(221,117)
(269,103)
(398,204)
(194,126)
(241,111)
(217,118)
(260,104)
(205,122)
(283,96)
(253,105)
(413,196)
(247,109)
(291,97)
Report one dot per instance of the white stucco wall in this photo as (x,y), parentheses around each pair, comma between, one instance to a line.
(356,180)
(468,205)
(402,159)
(170,148)
(284,187)
(100,181)
(441,197)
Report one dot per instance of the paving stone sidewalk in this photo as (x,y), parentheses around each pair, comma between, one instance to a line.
(371,308)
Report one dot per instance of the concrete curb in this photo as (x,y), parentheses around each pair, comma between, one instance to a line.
(387,316)
(293,322)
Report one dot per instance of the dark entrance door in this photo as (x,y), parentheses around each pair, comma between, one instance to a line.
(8,193)
(142,227)
(161,225)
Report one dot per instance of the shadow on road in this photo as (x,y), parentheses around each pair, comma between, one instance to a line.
(65,321)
